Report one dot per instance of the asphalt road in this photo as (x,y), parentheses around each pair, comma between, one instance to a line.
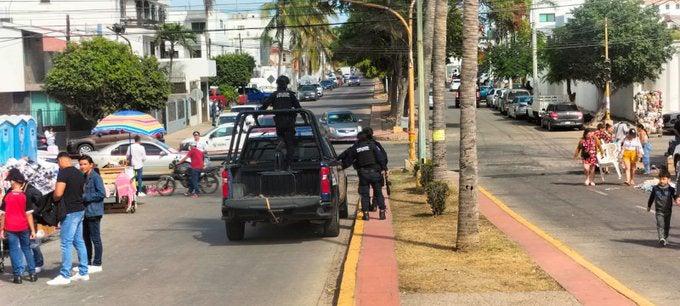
(174,251)
(531,170)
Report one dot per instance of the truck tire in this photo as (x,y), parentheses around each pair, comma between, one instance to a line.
(235,230)
(331,228)
(344,210)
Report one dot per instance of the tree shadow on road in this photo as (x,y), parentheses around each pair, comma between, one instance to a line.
(648,242)
(212,232)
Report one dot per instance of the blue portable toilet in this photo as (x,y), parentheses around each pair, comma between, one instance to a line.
(31,144)
(20,131)
(6,139)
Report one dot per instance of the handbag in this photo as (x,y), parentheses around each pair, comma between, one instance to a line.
(48,212)
(584,153)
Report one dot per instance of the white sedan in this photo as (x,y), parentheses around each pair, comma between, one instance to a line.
(158,156)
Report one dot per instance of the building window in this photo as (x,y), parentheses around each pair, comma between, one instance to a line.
(668,6)
(198,27)
(241,27)
(677,6)
(546,17)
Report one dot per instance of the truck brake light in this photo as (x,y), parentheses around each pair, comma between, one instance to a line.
(553,115)
(225,183)
(325,183)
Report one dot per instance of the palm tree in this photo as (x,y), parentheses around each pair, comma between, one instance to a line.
(468,211)
(177,35)
(428,30)
(439,73)
(295,18)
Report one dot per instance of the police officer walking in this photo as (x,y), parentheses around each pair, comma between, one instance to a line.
(369,162)
(283,99)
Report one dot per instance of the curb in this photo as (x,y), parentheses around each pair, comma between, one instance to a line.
(599,273)
(348,279)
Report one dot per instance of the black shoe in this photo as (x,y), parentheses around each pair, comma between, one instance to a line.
(32,277)
(17,280)
(372,208)
(382,214)
(365,217)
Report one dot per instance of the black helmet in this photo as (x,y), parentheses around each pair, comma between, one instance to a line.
(282,81)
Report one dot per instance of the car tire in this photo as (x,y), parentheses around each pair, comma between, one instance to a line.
(85,148)
(331,228)
(235,230)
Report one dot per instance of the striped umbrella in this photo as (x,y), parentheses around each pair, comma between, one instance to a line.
(130,122)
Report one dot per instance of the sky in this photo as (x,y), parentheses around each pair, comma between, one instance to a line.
(227,6)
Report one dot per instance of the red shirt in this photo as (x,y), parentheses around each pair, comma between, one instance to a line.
(196,156)
(15,208)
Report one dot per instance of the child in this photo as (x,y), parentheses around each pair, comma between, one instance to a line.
(16,219)
(663,196)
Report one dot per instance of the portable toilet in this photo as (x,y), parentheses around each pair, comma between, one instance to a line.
(20,131)
(31,143)
(6,139)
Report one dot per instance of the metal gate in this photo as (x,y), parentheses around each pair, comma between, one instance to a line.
(176,113)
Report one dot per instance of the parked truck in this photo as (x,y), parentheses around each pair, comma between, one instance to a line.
(257,187)
(537,108)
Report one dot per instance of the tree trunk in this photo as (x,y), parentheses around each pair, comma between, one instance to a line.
(428,36)
(439,164)
(172,55)
(396,86)
(468,211)
(571,95)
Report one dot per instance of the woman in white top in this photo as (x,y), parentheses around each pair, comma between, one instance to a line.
(50,136)
(631,154)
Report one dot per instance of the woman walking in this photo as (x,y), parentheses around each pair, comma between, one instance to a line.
(632,152)
(587,149)
(646,148)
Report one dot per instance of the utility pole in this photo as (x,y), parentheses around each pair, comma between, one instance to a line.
(240,45)
(68,28)
(279,21)
(608,71)
(534,58)
(422,86)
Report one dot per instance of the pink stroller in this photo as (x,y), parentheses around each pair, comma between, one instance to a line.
(126,192)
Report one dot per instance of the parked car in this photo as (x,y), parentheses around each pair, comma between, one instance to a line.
(511,94)
(455,84)
(308,92)
(241,108)
(217,141)
(255,96)
(353,81)
(158,156)
(519,106)
(484,91)
(562,115)
(491,96)
(327,84)
(457,97)
(87,144)
(669,121)
(537,108)
(341,125)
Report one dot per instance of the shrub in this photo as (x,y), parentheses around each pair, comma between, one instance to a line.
(437,194)
(426,173)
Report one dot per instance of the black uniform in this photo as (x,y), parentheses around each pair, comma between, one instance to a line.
(662,197)
(285,124)
(369,162)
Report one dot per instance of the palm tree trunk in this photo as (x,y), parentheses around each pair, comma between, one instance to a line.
(172,55)
(439,164)
(468,211)
(428,30)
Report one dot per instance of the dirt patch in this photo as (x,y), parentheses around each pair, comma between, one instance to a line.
(429,264)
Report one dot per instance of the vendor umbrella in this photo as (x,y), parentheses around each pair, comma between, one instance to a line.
(130,122)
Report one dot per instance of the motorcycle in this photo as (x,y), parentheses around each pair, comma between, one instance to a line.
(207,182)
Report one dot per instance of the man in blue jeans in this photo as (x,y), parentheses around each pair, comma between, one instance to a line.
(196,157)
(69,188)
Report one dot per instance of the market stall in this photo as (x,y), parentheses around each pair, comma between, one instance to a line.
(647,108)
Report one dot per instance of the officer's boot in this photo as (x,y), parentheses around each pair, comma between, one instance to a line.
(382,214)
(365,217)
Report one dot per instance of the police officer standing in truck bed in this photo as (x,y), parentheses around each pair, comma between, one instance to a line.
(370,162)
(282,99)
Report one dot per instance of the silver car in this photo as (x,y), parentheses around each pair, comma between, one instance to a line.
(518,107)
(158,156)
(340,125)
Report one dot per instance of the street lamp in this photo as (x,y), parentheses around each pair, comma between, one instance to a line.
(411,81)
(120,30)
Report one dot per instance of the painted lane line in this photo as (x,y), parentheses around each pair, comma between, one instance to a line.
(604,276)
(598,192)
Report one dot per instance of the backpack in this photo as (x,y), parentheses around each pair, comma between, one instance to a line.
(47,212)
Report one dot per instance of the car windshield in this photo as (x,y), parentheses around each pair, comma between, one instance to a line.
(307,88)
(524,99)
(226,119)
(341,118)
(566,108)
(222,131)
(164,146)
(241,109)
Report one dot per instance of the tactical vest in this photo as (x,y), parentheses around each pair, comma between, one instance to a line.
(282,100)
(365,155)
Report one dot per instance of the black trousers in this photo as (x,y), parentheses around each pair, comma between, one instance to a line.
(285,129)
(370,178)
(663,224)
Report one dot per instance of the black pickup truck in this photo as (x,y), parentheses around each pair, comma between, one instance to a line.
(256,188)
